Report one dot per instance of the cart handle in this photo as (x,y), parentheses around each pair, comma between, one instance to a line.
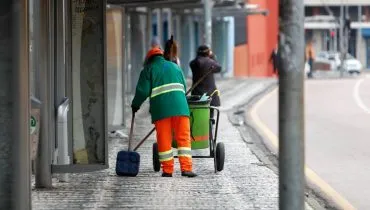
(217,120)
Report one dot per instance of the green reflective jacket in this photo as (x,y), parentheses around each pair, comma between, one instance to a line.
(163,82)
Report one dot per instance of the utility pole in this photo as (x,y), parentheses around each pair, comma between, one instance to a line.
(291,106)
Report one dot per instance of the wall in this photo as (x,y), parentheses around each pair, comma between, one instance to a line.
(262,39)
(272,31)
(240,47)
(114,66)
(252,58)
(240,61)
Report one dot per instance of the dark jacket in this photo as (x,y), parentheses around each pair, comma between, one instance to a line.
(200,66)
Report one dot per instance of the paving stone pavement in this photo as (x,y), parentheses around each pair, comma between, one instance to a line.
(243,184)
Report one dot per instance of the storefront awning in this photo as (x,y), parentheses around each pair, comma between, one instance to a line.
(321,25)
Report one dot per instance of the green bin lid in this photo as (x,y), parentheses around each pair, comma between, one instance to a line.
(198,99)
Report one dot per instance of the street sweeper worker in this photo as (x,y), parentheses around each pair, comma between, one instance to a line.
(163,82)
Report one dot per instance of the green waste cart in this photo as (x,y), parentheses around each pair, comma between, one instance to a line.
(203,132)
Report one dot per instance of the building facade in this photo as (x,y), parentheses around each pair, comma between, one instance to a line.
(325,34)
(256,37)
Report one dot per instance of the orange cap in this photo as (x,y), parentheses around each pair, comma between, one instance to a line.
(153,51)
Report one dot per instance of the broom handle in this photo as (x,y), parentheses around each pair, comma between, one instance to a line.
(131,131)
(187,92)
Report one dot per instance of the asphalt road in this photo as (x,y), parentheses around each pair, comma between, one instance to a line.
(337,134)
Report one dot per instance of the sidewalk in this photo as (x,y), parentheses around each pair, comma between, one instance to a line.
(245,183)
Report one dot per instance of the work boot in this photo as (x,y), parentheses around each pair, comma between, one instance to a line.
(166,175)
(188,174)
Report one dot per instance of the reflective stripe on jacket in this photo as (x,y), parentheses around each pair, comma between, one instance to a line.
(163,82)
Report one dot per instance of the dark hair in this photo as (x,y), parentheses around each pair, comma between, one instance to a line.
(170,49)
(203,50)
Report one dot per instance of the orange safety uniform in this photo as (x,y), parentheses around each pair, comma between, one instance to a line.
(180,127)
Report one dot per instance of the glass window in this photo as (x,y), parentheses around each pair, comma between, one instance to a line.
(88,81)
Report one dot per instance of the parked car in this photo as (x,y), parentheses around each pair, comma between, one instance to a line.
(351,64)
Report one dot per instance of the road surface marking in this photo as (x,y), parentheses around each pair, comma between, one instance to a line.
(311,176)
(356,96)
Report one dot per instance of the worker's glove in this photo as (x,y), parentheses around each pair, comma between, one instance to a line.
(134,109)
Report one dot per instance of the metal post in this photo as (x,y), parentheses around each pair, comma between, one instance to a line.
(291,107)
(208,4)
(43,160)
(149,24)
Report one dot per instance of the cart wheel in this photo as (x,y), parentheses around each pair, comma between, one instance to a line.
(156,163)
(220,156)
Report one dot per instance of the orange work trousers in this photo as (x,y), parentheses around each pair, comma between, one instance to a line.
(180,127)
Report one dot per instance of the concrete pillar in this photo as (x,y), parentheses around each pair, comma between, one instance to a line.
(317,38)
(178,34)
(191,35)
(360,42)
(169,24)
(15,165)
(230,49)
(208,4)
(114,27)
(123,66)
(137,57)
(160,26)
(128,61)
(149,24)
(43,49)
(184,44)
